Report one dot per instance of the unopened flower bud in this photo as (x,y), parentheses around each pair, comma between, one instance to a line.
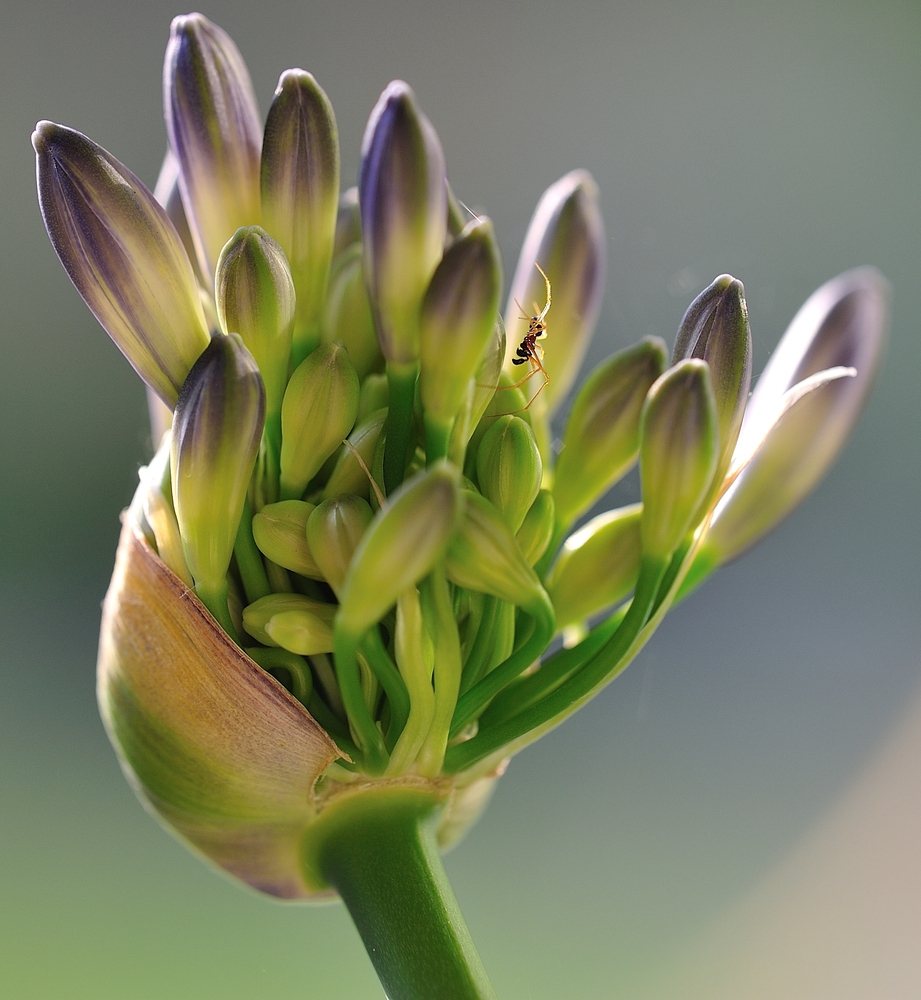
(124,256)
(347,315)
(536,529)
(319,410)
(299,624)
(403,202)
(509,468)
(334,530)
(300,193)
(348,221)
(601,439)
(255,298)
(715,329)
(216,433)
(841,325)
(214,130)
(402,545)
(279,529)
(678,455)
(457,320)
(597,566)
(566,237)
(375,395)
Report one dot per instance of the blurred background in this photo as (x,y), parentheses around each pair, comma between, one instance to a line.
(740,814)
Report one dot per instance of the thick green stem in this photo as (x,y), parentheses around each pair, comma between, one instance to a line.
(377,849)
(401,379)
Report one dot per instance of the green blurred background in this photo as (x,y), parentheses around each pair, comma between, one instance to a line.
(779,141)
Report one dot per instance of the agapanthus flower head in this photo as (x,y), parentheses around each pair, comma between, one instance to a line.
(342,571)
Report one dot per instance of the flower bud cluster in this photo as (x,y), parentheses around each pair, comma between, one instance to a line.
(359,483)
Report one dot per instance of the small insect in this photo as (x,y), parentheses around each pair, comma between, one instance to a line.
(529,350)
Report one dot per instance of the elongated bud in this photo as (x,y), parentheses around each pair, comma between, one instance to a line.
(296,623)
(319,410)
(509,468)
(216,433)
(403,202)
(348,221)
(483,556)
(300,193)
(678,455)
(334,531)
(536,530)
(348,475)
(566,237)
(214,130)
(457,319)
(375,394)
(843,323)
(347,315)
(715,329)
(255,298)
(601,439)
(167,193)
(402,545)
(123,255)
(597,566)
(280,531)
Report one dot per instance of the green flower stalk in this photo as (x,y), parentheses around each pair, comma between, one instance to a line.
(336,586)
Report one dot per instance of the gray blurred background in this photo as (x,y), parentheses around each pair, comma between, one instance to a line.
(737,815)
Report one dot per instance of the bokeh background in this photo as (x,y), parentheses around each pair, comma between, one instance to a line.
(740,814)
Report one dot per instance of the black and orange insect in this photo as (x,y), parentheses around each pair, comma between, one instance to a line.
(529,350)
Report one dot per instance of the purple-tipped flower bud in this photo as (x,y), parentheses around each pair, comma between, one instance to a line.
(509,468)
(403,201)
(296,623)
(566,238)
(457,320)
(597,566)
(678,454)
(255,298)
(347,314)
(715,329)
(334,531)
(300,193)
(279,529)
(214,130)
(841,325)
(319,410)
(402,545)
(216,433)
(601,439)
(124,256)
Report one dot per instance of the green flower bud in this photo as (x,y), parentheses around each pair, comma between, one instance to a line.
(348,476)
(375,395)
(841,325)
(403,201)
(347,316)
(348,221)
(597,566)
(296,623)
(483,556)
(300,193)
(715,328)
(601,439)
(255,298)
(334,531)
(536,529)
(318,411)
(123,255)
(279,529)
(678,455)
(402,545)
(566,237)
(216,433)
(457,319)
(509,468)
(214,130)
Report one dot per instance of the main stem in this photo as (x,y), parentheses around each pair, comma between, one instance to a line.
(379,853)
